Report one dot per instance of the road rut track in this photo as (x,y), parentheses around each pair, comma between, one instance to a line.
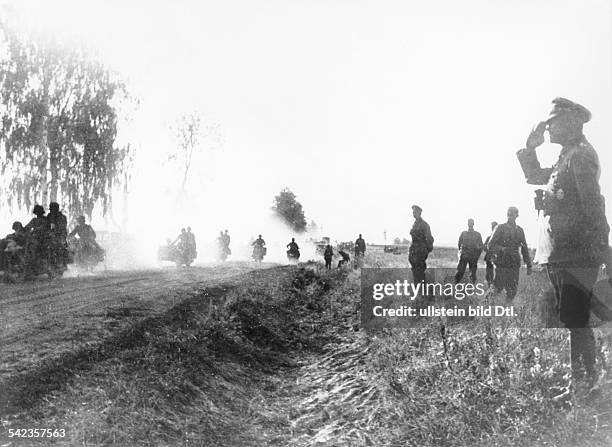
(47,319)
(25,390)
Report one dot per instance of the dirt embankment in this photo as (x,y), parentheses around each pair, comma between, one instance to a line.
(277,357)
(208,369)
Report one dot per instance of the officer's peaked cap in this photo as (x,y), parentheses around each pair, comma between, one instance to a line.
(563,106)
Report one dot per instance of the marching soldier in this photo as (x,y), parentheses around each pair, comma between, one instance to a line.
(422,245)
(507,244)
(470,246)
(578,225)
(328,254)
(360,246)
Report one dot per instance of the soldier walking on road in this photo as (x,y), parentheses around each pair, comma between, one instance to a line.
(360,246)
(488,258)
(470,246)
(328,255)
(422,245)
(578,225)
(507,244)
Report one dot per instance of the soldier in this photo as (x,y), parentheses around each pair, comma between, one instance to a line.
(360,246)
(294,250)
(422,245)
(506,242)
(490,269)
(328,254)
(346,258)
(191,244)
(578,225)
(12,246)
(259,242)
(183,241)
(88,247)
(470,246)
(259,248)
(37,231)
(58,230)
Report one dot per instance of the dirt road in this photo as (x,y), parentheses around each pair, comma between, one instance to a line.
(45,318)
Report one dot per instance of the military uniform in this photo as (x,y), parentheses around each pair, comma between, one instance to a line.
(578,227)
(360,247)
(422,245)
(507,245)
(58,247)
(89,248)
(328,255)
(470,245)
(191,245)
(346,258)
(37,246)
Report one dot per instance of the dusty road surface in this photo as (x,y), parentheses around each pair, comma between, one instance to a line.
(44,319)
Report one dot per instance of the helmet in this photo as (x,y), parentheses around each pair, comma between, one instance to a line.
(54,206)
(17,225)
(38,210)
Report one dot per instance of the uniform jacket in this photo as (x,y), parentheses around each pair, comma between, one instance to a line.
(421,236)
(470,243)
(573,201)
(506,242)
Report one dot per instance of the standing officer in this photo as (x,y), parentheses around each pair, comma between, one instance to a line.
(506,242)
(578,225)
(470,246)
(422,245)
(490,270)
(360,246)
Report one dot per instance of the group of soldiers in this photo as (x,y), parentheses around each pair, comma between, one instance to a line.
(503,249)
(223,245)
(345,258)
(41,246)
(574,233)
(186,243)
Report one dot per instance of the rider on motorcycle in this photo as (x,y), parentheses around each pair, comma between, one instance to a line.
(294,250)
(37,243)
(58,231)
(12,247)
(259,248)
(88,247)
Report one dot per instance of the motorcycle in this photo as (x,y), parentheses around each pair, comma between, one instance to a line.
(177,254)
(223,251)
(293,255)
(259,251)
(86,254)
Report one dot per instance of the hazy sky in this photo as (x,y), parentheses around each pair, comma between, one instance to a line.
(361,108)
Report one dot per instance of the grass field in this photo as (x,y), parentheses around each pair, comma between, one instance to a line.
(280,359)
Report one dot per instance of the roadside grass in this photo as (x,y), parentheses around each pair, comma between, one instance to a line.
(203,373)
(481,382)
(282,360)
